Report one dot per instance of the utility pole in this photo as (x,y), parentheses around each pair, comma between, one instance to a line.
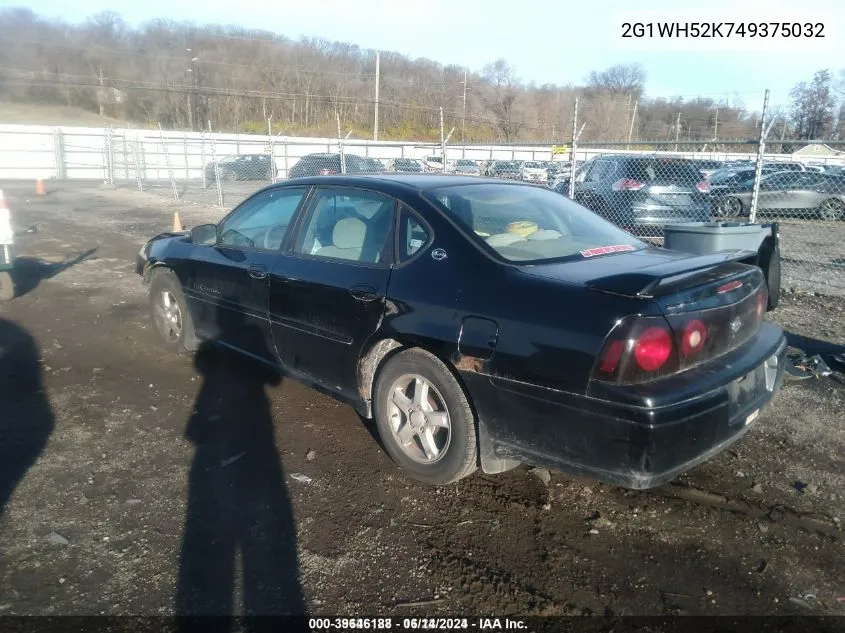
(464,113)
(677,130)
(572,150)
(102,93)
(442,141)
(631,128)
(716,126)
(375,124)
(761,148)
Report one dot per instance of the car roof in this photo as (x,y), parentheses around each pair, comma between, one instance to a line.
(387,181)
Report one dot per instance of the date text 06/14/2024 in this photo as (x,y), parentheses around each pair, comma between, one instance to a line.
(426,624)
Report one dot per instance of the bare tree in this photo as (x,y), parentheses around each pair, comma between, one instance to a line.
(621,79)
(812,108)
(501,97)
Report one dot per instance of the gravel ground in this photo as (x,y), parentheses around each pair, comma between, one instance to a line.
(133,481)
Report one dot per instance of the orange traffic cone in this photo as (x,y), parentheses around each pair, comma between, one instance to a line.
(177,223)
(40,188)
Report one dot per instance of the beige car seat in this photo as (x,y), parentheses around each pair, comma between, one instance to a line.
(348,240)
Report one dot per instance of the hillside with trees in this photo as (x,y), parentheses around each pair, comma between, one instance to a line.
(185,76)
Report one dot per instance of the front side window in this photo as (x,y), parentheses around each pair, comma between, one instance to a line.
(262,220)
(348,224)
(527,224)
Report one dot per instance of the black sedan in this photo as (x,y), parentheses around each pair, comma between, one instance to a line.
(480,323)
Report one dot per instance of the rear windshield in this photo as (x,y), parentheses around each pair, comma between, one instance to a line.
(527,224)
(661,170)
(531,165)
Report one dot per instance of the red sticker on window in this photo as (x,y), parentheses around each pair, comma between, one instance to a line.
(604,250)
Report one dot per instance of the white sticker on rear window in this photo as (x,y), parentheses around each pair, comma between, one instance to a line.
(604,250)
(416,243)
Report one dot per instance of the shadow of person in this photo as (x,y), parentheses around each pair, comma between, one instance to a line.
(26,420)
(28,272)
(238,507)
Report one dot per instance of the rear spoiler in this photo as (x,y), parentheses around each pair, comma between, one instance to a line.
(675,275)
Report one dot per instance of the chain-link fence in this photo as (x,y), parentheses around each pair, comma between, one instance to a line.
(640,186)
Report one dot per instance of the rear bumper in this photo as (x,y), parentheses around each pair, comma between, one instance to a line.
(653,215)
(640,438)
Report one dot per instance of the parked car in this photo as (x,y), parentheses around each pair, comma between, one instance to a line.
(372,165)
(786,192)
(643,192)
(504,169)
(479,323)
(533,171)
(407,165)
(329,164)
(241,167)
(707,167)
(433,163)
(784,166)
(466,167)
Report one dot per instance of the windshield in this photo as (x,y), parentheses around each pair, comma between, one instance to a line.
(466,163)
(528,224)
(531,165)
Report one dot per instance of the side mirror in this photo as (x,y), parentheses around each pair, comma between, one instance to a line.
(205,234)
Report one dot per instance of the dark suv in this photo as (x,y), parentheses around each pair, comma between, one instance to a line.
(241,167)
(643,192)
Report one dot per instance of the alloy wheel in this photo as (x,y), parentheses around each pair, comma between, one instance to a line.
(419,419)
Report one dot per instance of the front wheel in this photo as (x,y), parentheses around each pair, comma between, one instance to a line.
(7,286)
(424,418)
(169,313)
(832,209)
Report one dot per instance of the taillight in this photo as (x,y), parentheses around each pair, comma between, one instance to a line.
(762,304)
(703,186)
(628,184)
(693,338)
(640,349)
(653,348)
(611,356)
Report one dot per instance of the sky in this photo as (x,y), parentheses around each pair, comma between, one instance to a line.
(556,42)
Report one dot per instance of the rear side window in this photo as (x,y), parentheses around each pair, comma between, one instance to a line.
(602,170)
(663,171)
(413,235)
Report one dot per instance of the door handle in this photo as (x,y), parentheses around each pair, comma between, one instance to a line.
(363,292)
(257,272)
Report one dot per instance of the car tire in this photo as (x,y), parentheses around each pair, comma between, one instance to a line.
(770,265)
(166,304)
(832,210)
(411,419)
(734,207)
(7,286)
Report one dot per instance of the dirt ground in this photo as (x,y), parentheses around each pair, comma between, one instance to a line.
(133,481)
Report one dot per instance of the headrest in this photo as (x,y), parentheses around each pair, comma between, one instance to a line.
(349,233)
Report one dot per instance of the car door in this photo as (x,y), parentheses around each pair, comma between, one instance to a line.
(808,192)
(775,192)
(328,290)
(580,176)
(228,282)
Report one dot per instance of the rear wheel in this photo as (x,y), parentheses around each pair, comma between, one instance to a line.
(832,209)
(424,418)
(169,313)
